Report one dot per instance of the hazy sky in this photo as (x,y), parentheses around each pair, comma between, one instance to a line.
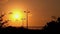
(41,10)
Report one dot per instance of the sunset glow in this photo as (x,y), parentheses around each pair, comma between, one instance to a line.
(32,12)
(16,14)
(15,17)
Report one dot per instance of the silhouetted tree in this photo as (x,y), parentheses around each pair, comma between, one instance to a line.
(58,20)
(53,26)
(1,21)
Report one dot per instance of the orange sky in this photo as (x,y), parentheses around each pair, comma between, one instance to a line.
(41,10)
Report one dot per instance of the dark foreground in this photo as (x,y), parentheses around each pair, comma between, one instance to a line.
(53,26)
(21,29)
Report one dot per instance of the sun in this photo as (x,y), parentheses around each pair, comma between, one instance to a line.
(16,14)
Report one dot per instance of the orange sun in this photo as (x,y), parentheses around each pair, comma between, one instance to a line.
(16,14)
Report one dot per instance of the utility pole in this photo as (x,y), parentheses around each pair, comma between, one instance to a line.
(27,12)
